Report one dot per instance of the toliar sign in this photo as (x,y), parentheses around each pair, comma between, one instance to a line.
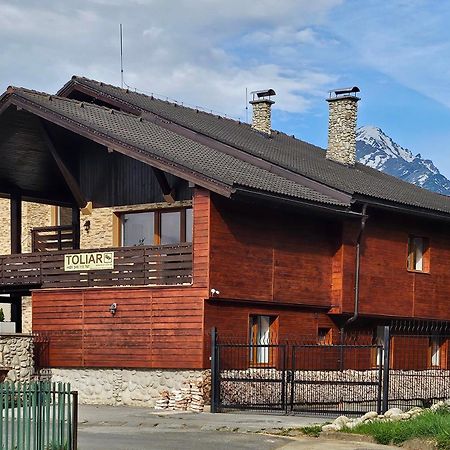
(88,261)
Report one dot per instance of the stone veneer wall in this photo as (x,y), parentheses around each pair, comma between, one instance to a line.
(125,386)
(100,233)
(33,215)
(342,130)
(27,311)
(16,354)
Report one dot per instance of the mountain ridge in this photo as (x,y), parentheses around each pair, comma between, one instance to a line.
(376,149)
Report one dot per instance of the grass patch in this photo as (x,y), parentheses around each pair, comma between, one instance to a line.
(313,430)
(429,425)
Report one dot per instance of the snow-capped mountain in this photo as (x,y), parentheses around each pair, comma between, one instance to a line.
(375,149)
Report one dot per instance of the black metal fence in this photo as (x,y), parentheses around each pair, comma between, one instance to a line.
(352,374)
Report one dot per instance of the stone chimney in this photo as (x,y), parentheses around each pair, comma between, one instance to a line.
(343,111)
(261,102)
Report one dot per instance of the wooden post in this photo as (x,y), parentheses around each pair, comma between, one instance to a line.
(16,223)
(76,227)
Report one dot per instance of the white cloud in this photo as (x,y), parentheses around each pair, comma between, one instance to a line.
(196,51)
(406,40)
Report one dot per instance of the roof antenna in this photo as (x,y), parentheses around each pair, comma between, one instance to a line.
(246,105)
(121,57)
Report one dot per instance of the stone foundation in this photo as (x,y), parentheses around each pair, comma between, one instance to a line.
(16,356)
(125,386)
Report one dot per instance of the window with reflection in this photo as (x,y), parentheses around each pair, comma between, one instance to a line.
(138,229)
(170,226)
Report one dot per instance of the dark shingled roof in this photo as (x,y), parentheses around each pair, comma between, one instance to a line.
(285,151)
(148,138)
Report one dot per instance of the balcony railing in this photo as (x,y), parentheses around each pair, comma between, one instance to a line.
(50,239)
(131,266)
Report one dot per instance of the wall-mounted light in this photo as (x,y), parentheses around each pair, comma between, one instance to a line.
(214,292)
(87,225)
(113,309)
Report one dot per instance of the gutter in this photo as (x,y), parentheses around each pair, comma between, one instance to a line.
(243,193)
(406,209)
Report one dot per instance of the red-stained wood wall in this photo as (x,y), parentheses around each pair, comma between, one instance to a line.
(268,255)
(153,327)
(387,288)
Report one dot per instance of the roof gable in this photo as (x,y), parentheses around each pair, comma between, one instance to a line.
(162,148)
(280,150)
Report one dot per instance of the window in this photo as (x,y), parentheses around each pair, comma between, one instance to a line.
(418,254)
(324,336)
(157,227)
(437,353)
(138,229)
(262,334)
(379,340)
(61,216)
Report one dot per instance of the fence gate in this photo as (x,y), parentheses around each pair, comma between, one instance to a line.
(308,378)
(244,379)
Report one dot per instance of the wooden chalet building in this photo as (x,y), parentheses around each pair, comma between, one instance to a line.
(183,221)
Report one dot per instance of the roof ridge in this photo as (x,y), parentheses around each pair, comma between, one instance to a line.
(155,97)
(17,90)
(177,104)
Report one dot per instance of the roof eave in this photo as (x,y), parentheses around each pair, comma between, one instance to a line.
(318,207)
(403,208)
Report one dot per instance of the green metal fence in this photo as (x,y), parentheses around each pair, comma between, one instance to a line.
(38,416)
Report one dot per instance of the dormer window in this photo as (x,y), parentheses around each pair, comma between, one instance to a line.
(418,254)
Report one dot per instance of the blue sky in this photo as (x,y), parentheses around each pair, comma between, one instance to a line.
(207,52)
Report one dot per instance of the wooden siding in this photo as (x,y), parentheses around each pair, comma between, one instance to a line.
(268,255)
(387,288)
(153,327)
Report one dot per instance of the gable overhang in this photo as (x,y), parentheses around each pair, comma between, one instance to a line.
(11,98)
(76,85)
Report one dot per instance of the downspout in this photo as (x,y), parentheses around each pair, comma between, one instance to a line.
(355,315)
(357,268)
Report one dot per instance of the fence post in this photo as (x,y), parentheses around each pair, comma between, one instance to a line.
(386,367)
(214,371)
(74,420)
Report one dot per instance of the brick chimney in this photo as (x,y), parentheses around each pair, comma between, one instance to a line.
(343,111)
(262,103)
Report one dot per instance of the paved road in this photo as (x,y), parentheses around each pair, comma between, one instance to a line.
(123,428)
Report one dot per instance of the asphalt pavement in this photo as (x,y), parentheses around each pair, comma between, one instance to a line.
(126,428)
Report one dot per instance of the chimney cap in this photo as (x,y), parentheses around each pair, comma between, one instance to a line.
(344,92)
(261,94)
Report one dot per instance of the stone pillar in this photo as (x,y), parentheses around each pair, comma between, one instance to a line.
(261,120)
(27,325)
(342,129)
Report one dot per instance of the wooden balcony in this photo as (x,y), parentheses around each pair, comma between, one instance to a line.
(131,266)
(50,239)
